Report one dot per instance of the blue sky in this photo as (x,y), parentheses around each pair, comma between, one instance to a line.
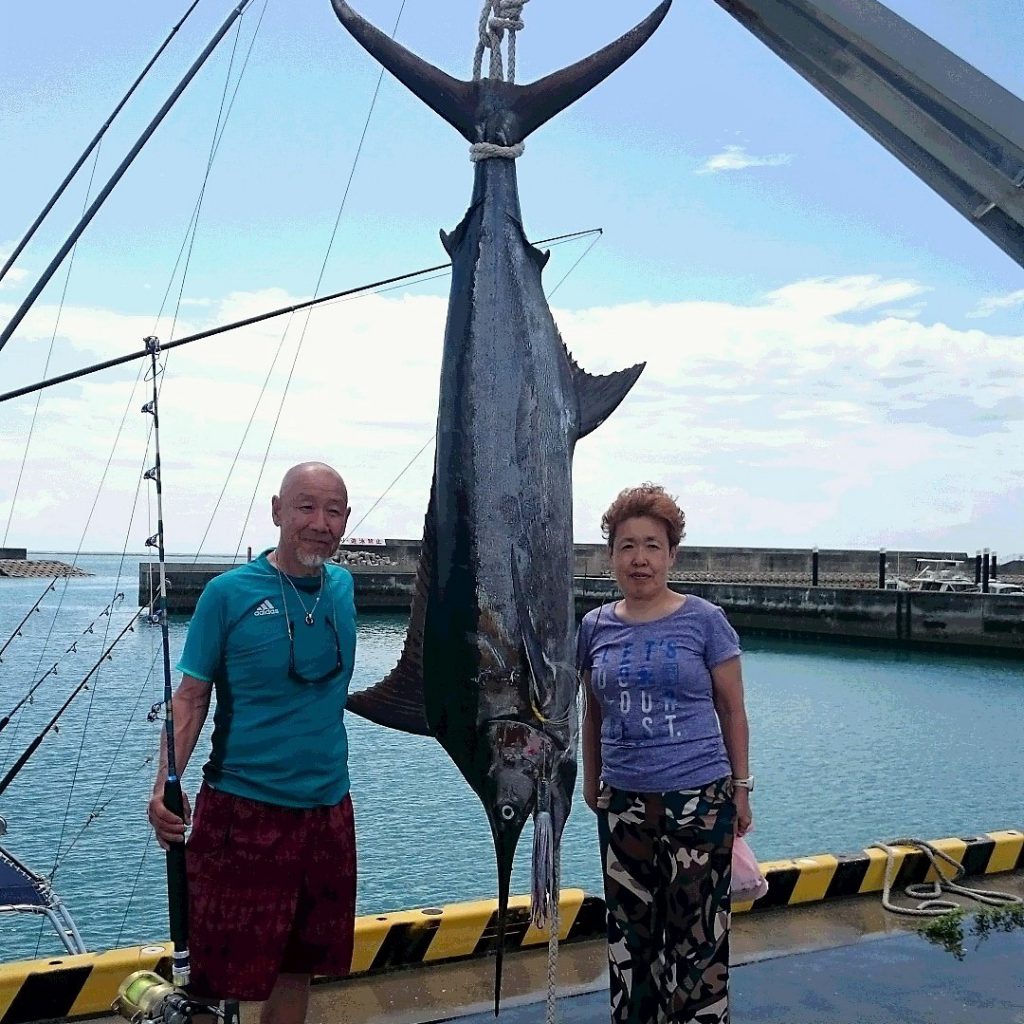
(834,353)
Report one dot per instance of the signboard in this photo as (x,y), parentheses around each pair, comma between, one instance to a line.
(363,542)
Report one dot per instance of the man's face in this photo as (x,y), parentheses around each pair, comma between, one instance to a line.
(312,513)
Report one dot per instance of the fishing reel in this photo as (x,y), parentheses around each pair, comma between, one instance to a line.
(146,998)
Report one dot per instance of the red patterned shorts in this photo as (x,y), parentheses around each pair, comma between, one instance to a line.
(272,890)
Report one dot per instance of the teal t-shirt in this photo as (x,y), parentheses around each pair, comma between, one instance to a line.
(274,739)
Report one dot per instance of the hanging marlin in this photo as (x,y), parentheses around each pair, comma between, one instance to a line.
(488,663)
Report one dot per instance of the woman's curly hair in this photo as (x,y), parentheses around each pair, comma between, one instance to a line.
(646,500)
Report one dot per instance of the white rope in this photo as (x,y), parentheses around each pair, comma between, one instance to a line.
(497,17)
(930,893)
(550,1009)
(488,150)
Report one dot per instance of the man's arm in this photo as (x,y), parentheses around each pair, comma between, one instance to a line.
(190,706)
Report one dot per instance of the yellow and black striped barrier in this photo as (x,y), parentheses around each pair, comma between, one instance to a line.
(827,877)
(85,985)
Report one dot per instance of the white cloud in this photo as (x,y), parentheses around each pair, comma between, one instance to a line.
(15,275)
(736,158)
(995,303)
(809,415)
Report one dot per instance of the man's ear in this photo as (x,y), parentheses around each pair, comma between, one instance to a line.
(275,510)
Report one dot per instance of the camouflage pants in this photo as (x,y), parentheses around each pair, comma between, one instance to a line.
(667,861)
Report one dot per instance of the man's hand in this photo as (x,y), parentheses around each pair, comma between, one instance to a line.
(169,828)
(590,790)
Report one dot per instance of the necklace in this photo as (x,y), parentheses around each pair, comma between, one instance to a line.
(310,620)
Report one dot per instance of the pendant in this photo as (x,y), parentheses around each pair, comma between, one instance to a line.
(309,618)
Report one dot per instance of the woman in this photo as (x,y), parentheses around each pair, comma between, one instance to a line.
(665,768)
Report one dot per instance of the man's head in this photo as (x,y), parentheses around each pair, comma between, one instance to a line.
(312,512)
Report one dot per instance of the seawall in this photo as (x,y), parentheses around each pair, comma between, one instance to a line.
(907,619)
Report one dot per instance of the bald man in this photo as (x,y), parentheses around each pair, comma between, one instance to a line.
(271,857)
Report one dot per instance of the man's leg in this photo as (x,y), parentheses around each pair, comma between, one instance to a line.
(288,1002)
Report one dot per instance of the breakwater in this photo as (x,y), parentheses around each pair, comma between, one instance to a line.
(769,591)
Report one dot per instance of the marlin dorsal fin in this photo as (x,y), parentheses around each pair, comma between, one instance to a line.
(600,395)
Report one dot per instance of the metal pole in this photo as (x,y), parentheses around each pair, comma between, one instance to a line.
(881,568)
(92,145)
(984,570)
(993,567)
(977,568)
(814,567)
(116,177)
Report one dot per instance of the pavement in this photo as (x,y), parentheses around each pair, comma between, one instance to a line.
(843,961)
(897,980)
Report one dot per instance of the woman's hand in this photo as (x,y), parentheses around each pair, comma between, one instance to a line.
(744,815)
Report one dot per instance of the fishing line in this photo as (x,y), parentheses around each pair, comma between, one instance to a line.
(73,649)
(96,812)
(408,465)
(594,241)
(316,290)
(558,241)
(35,608)
(220,126)
(13,772)
(369,289)
(49,356)
(44,279)
(96,142)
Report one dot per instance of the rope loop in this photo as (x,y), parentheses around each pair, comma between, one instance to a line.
(497,18)
(929,894)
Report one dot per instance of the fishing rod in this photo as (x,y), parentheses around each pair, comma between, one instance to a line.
(29,389)
(92,145)
(34,745)
(28,615)
(145,997)
(117,175)
(53,670)
(177,880)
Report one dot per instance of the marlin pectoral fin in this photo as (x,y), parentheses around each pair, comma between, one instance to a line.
(599,396)
(397,700)
(455,101)
(541,100)
(542,686)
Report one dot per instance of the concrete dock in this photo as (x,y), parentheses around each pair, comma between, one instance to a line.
(843,962)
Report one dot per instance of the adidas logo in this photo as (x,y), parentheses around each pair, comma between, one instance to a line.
(266,608)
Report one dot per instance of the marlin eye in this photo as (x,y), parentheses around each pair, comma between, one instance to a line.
(508,812)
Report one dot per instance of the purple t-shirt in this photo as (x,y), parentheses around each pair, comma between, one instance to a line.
(659,728)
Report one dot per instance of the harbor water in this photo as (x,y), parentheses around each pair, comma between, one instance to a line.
(850,744)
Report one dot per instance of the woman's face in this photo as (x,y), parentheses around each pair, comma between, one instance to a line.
(641,557)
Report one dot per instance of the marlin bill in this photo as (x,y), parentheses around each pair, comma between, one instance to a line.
(488,666)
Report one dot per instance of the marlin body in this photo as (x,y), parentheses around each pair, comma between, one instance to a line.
(488,667)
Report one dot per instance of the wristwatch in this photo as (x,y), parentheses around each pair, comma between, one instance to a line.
(747,783)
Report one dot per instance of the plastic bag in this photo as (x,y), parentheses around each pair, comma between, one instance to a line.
(747,881)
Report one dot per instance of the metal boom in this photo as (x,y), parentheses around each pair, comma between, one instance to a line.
(956,129)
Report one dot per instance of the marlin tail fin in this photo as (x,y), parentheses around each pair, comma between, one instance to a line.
(468,106)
